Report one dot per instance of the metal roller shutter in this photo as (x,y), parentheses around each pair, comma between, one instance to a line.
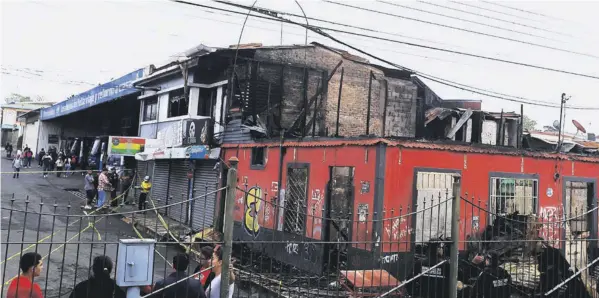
(160,184)
(178,190)
(205,180)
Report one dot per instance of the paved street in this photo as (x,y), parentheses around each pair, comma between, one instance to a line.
(67,264)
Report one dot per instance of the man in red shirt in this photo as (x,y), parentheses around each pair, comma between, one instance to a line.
(23,286)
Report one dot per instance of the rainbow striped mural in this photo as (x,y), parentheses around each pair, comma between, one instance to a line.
(126,146)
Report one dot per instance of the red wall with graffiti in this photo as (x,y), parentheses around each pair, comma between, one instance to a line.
(320,159)
(402,159)
(475,169)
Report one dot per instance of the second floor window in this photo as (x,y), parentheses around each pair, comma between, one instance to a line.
(150,109)
(178,103)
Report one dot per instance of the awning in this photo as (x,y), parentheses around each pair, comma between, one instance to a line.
(191,152)
(106,92)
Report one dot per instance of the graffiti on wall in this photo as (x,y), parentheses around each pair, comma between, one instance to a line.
(316,213)
(397,229)
(552,224)
(252,208)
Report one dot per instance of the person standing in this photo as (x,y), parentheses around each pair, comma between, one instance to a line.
(204,269)
(59,166)
(114,181)
(146,186)
(90,189)
(29,156)
(67,167)
(16,164)
(99,285)
(174,287)
(104,188)
(40,156)
(9,151)
(125,185)
(213,290)
(23,286)
(47,164)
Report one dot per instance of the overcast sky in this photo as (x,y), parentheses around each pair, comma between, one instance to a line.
(58,48)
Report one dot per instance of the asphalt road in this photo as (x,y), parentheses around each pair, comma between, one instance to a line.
(67,264)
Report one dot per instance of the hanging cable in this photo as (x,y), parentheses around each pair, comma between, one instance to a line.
(462,29)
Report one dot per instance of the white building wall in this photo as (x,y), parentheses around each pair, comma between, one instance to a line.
(30,135)
(9,116)
(48,128)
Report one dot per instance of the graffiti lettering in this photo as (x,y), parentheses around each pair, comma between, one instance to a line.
(309,252)
(395,231)
(291,248)
(390,259)
(551,229)
(252,208)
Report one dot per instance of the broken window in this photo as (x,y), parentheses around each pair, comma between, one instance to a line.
(295,199)
(509,195)
(258,157)
(178,103)
(150,109)
(207,101)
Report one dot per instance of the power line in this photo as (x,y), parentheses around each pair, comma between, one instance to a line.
(429,47)
(462,29)
(424,75)
(491,17)
(467,21)
(523,10)
(492,10)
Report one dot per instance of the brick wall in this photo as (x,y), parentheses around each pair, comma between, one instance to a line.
(401,101)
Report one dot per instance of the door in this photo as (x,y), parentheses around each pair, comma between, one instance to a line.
(296,196)
(178,191)
(205,182)
(160,185)
(580,230)
(433,209)
(339,211)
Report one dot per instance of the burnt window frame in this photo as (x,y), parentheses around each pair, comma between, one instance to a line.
(300,215)
(211,105)
(592,220)
(150,102)
(184,96)
(516,176)
(262,164)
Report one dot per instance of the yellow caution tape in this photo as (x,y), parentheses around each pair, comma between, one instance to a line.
(47,237)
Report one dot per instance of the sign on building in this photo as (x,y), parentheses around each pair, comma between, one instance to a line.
(126,146)
(196,132)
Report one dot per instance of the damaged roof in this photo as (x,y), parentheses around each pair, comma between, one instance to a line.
(451,146)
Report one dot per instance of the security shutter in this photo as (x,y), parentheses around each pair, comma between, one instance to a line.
(160,185)
(178,190)
(205,181)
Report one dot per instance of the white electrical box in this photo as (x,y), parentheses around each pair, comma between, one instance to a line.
(135,263)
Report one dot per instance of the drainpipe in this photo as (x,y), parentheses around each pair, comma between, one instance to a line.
(280,179)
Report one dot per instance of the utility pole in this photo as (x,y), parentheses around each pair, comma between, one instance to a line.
(561,113)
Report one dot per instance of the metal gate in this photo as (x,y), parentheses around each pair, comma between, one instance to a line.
(431,189)
(205,180)
(160,185)
(178,190)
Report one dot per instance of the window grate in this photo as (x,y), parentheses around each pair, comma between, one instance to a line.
(295,200)
(509,195)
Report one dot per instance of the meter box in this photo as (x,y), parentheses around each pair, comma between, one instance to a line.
(135,263)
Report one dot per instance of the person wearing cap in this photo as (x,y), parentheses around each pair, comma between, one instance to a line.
(145,186)
(493,281)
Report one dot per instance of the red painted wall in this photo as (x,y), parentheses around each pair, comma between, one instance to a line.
(475,168)
(319,159)
(399,170)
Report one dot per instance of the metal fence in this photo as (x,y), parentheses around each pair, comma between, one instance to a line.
(300,244)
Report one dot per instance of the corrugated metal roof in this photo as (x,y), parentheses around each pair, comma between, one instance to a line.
(421,144)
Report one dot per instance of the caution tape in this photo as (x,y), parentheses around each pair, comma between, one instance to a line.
(47,237)
(55,171)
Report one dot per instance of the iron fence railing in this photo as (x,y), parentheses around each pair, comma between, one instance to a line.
(441,245)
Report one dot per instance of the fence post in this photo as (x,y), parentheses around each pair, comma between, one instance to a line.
(455,238)
(228,226)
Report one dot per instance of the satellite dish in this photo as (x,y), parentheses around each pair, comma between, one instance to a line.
(579,126)
(556,124)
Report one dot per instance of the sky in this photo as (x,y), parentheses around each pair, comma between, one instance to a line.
(58,48)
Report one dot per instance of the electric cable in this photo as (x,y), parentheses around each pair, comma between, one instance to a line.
(468,21)
(462,29)
(440,80)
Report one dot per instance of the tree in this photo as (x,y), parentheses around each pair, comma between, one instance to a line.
(528,123)
(15,97)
